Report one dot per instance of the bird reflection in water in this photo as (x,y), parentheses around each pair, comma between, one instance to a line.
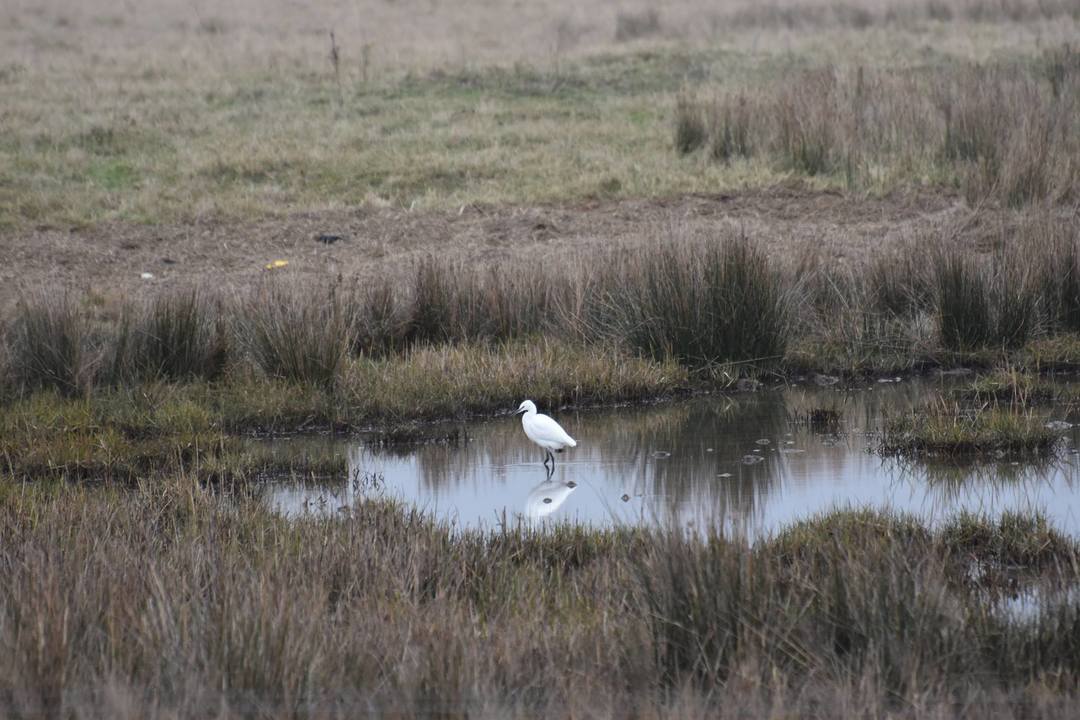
(546,497)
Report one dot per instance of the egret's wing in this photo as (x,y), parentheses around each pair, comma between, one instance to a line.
(547,429)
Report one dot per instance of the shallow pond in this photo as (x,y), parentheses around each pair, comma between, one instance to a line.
(750,462)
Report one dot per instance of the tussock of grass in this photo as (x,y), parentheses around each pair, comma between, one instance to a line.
(965,313)
(703,303)
(690,130)
(178,336)
(50,346)
(945,429)
(456,302)
(855,609)
(297,334)
(1013,541)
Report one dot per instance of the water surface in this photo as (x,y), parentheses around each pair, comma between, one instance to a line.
(749,462)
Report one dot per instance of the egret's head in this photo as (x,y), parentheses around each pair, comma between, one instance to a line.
(526,406)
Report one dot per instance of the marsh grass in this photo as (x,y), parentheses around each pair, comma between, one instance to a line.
(702,302)
(1056,274)
(384,609)
(56,439)
(50,345)
(964,304)
(118,432)
(983,303)
(177,336)
(461,380)
(301,334)
(1001,131)
(730,134)
(378,321)
(497,302)
(947,429)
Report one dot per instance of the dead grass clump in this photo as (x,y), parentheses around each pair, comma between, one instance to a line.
(453,302)
(700,302)
(972,106)
(438,306)
(808,117)
(178,336)
(898,285)
(984,303)
(295,333)
(51,345)
(378,319)
(1056,269)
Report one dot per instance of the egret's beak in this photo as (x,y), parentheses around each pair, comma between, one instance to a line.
(519,411)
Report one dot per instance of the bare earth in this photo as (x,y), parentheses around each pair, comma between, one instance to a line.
(109,259)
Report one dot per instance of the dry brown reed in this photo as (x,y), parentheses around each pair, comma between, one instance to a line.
(177,600)
(701,300)
(1007,132)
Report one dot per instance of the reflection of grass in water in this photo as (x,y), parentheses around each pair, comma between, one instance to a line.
(950,480)
(820,420)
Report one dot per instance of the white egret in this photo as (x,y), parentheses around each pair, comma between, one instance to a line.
(544,431)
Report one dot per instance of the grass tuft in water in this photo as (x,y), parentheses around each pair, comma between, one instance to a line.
(946,429)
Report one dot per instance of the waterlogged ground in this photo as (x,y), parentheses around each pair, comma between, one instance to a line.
(751,462)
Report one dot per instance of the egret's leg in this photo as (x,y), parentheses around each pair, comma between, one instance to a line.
(552,458)
(550,470)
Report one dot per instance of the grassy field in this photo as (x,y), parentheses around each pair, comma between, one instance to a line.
(175,114)
(473,203)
